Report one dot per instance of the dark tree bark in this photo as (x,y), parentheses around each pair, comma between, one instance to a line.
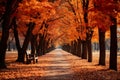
(22,50)
(72,47)
(85,4)
(102,47)
(39,46)
(33,47)
(17,41)
(43,44)
(26,41)
(9,47)
(89,46)
(84,50)
(66,47)
(3,46)
(46,46)
(79,47)
(7,19)
(75,48)
(113,45)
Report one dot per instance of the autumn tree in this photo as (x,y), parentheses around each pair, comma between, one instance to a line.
(110,8)
(30,17)
(80,8)
(103,22)
(8,16)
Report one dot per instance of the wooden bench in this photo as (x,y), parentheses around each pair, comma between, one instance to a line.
(32,58)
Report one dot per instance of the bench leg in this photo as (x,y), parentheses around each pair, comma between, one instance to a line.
(36,60)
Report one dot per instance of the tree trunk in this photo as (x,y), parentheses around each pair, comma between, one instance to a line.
(39,47)
(9,11)
(19,49)
(33,44)
(5,33)
(79,52)
(68,47)
(85,5)
(75,48)
(89,46)
(33,47)
(8,46)
(43,45)
(113,45)
(17,42)
(72,47)
(27,39)
(102,47)
(46,46)
(3,47)
(84,50)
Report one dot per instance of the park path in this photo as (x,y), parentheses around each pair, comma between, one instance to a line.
(57,66)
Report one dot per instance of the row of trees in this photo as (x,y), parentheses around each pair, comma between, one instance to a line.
(101,14)
(27,19)
(71,23)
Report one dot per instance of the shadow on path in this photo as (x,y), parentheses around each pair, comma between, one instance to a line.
(58,67)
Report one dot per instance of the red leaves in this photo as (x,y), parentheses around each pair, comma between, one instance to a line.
(106,6)
(102,11)
(100,20)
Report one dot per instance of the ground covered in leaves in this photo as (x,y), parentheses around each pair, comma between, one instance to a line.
(59,65)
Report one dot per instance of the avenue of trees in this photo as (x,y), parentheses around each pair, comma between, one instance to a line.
(71,24)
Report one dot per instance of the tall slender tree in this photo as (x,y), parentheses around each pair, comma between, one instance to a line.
(102,47)
(113,45)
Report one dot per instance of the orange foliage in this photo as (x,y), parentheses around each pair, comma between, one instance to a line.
(109,7)
(100,13)
(95,37)
(118,19)
(78,10)
(100,20)
(63,29)
(34,11)
(65,19)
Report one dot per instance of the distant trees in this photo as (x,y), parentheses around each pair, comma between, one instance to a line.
(101,14)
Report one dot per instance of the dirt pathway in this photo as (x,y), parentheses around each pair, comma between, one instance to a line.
(57,67)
